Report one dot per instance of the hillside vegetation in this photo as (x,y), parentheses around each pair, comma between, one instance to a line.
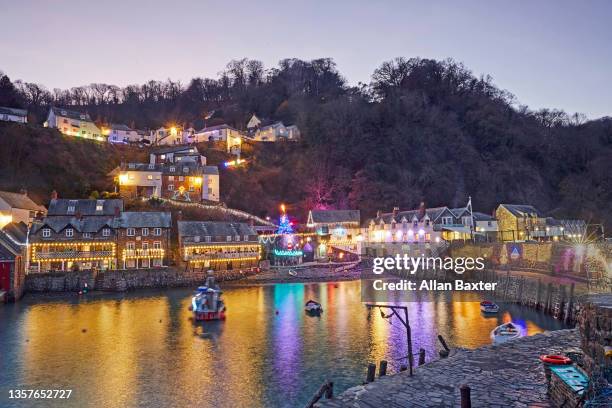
(421,130)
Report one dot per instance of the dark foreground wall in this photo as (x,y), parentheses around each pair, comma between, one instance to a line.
(122,280)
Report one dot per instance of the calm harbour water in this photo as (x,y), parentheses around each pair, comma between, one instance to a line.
(142,349)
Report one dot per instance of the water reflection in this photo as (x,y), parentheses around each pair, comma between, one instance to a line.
(144,350)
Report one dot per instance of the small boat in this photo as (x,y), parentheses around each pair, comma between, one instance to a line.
(206,303)
(504,333)
(292,272)
(313,307)
(488,307)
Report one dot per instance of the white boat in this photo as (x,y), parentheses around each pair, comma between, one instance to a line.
(207,303)
(488,307)
(504,333)
(292,272)
(313,307)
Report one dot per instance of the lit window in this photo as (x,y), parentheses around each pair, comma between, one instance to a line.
(237,238)
(170,187)
(149,177)
(208,238)
(46,232)
(246,238)
(87,235)
(229,238)
(69,232)
(131,232)
(106,232)
(157,245)
(170,178)
(99,205)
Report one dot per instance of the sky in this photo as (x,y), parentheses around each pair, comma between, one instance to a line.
(548,53)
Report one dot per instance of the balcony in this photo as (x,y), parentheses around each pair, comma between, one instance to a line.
(72,255)
(143,253)
(222,255)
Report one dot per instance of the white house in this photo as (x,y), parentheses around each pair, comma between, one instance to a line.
(18,207)
(120,133)
(73,123)
(13,115)
(219,133)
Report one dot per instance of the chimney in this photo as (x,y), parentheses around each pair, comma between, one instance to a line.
(54,195)
(395,211)
(422,210)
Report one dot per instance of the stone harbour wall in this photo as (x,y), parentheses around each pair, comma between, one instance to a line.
(124,280)
(595,324)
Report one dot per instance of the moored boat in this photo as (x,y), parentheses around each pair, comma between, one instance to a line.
(488,307)
(505,332)
(292,272)
(207,303)
(313,307)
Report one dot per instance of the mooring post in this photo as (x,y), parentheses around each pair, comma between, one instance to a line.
(382,368)
(548,298)
(329,391)
(421,356)
(570,305)
(539,294)
(409,335)
(561,314)
(466,398)
(371,373)
(443,353)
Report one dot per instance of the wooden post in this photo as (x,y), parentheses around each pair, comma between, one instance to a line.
(570,305)
(371,373)
(548,298)
(421,356)
(329,391)
(409,335)
(466,398)
(561,314)
(382,368)
(539,294)
(443,353)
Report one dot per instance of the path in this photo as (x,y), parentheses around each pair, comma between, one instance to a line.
(507,375)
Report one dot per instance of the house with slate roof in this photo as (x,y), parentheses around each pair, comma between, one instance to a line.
(13,248)
(519,222)
(86,234)
(120,133)
(218,245)
(338,228)
(18,207)
(13,115)
(73,123)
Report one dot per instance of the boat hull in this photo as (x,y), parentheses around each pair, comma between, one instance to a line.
(206,316)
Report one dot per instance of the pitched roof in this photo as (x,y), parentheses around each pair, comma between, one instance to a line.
(84,207)
(210,170)
(141,219)
(432,213)
(174,149)
(213,228)
(5,110)
(83,224)
(335,216)
(141,167)
(12,240)
(478,216)
(521,210)
(213,128)
(19,200)
(120,126)
(71,114)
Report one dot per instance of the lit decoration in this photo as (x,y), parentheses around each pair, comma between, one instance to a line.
(234,163)
(197,181)
(421,232)
(142,253)
(123,179)
(398,235)
(437,239)
(72,254)
(288,252)
(285,225)
(5,219)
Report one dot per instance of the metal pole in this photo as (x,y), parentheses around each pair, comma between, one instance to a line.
(409,334)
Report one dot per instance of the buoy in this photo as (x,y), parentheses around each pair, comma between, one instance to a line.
(553,359)
(277,312)
(84,330)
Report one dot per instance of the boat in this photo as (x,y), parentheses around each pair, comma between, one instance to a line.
(313,307)
(207,303)
(488,307)
(504,333)
(292,272)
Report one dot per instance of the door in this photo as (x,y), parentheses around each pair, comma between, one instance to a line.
(5,276)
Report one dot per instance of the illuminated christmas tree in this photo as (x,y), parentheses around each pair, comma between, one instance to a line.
(284,225)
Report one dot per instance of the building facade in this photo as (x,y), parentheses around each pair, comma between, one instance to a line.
(120,133)
(74,123)
(218,245)
(13,115)
(18,207)
(517,222)
(336,230)
(143,239)
(13,252)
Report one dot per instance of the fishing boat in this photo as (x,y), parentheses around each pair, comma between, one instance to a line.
(504,333)
(207,303)
(488,307)
(313,307)
(292,272)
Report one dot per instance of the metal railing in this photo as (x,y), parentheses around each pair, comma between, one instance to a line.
(72,255)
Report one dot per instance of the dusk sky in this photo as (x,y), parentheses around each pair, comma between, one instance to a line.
(555,54)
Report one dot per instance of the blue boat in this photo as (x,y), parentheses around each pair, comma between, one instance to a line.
(207,303)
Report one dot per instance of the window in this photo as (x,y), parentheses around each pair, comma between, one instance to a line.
(149,177)
(157,232)
(185,169)
(145,245)
(196,238)
(229,238)
(131,232)
(246,238)
(170,178)
(447,220)
(46,232)
(69,232)
(172,169)
(71,206)
(208,238)
(191,188)
(130,245)
(106,232)
(157,245)
(145,232)
(99,205)
(209,191)
(467,220)
(87,235)
(181,178)
(151,166)
(237,238)
(170,187)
